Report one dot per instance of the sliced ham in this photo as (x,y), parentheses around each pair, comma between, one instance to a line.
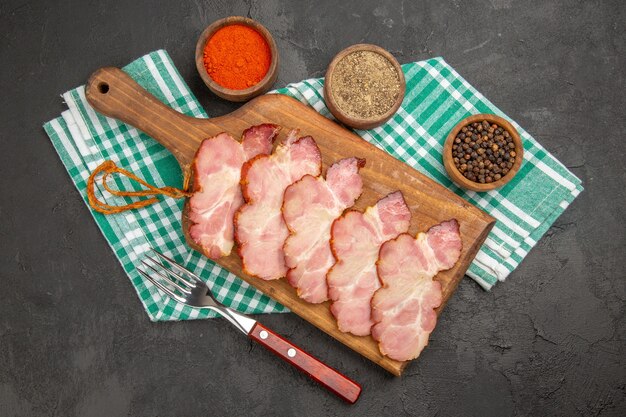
(356,241)
(403,308)
(309,208)
(217,194)
(260,229)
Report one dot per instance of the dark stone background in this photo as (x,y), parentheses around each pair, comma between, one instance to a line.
(550,341)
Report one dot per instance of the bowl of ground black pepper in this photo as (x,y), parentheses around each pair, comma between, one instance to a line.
(483,152)
(364,86)
(237,58)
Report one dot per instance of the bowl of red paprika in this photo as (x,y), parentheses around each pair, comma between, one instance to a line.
(237,58)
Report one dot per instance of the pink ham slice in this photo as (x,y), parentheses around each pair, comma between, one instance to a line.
(217,194)
(309,208)
(260,229)
(404,308)
(356,240)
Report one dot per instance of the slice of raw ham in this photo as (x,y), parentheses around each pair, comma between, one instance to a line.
(403,308)
(356,240)
(260,229)
(217,194)
(309,208)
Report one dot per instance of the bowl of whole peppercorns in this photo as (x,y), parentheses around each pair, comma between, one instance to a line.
(483,152)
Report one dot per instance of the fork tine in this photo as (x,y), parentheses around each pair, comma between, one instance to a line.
(180,277)
(178,266)
(185,290)
(168,270)
(162,287)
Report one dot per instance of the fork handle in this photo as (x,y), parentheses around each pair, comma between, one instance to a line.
(330,378)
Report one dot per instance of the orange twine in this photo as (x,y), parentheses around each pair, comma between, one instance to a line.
(108,168)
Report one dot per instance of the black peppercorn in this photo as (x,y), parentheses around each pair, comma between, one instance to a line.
(483,152)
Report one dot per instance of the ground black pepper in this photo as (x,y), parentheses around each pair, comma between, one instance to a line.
(483,152)
(365,84)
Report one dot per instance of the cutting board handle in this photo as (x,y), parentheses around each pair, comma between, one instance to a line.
(114,93)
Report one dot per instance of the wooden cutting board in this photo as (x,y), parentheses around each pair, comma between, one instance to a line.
(113,93)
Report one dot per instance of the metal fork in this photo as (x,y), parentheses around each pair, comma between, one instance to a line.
(186,287)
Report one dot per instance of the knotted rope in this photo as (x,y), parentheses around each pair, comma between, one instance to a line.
(109,168)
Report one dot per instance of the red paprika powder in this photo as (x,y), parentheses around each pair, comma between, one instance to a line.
(237,57)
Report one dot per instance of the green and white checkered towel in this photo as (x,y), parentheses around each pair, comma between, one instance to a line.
(437,98)
(84,139)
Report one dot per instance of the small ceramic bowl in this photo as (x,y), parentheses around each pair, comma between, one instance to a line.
(458,177)
(350,120)
(226,93)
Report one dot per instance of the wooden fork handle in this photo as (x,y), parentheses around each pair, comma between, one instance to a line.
(330,378)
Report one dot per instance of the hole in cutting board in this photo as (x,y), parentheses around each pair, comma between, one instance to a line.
(103,88)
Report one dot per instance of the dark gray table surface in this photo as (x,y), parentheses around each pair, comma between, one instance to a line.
(74,340)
